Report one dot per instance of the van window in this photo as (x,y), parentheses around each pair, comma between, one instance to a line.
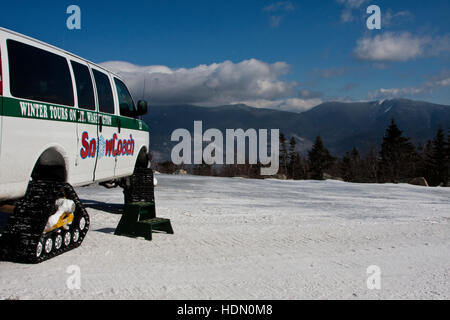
(85,89)
(125,101)
(104,92)
(36,74)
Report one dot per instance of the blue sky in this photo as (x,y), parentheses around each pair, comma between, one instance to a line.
(324,47)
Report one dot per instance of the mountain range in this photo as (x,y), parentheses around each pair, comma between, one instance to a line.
(342,126)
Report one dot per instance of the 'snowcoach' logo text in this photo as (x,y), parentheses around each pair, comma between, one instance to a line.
(106,148)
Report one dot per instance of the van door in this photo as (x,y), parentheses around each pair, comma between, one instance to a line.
(86,123)
(107,127)
(128,130)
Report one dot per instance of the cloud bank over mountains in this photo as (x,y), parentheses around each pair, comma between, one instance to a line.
(434,83)
(252,82)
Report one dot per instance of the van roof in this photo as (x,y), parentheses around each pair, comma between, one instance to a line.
(55,48)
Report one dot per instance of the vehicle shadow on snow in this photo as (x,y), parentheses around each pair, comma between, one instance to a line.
(113,208)
(106,230)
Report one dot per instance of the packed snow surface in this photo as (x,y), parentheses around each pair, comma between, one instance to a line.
(249,239)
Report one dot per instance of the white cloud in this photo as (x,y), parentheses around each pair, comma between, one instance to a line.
(299,105)
(309,94)
(275,21)
(395,92)
(347,16)
(277,11)
(288,104)
(330,72)
(280,6)
(353,4)
(209,85)
(439,81)
(403,46)
(349,6)
(391,18)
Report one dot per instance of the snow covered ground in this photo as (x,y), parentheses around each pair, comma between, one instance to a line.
(247,239)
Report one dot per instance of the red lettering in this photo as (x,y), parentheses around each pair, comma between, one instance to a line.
(84,152)
(93,148)
(132,144)
(114,142)
(125,147)
(119,148)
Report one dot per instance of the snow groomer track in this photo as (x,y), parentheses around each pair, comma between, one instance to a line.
(25,238)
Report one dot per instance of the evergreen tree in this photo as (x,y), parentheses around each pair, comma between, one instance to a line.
(426,154)
(293,159)
(369,167)
(437,160)
(203,169)
(303,168)
(448,158)
(345,167)
(397,155)
(283,155)
(420,166)
(319,160)
(350,166)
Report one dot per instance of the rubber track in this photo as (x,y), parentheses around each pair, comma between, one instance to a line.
(27,224)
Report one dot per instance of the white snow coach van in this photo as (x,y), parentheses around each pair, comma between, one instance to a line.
(64,122)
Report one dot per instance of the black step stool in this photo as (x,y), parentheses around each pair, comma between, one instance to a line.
(139,220)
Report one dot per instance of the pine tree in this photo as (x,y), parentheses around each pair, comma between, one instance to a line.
(203,169)
(293,159)
(350,166)
(448,153)
(283,154)
(448,158)
(369,167)
(437,160)
(320,160)
(397,155)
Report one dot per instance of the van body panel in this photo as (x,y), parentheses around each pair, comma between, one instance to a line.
(21,152)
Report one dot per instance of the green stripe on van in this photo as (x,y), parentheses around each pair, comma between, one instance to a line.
(20,108)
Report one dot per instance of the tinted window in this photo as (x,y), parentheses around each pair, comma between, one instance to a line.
(104,92)
(85,89)
(37,74)
(125,101)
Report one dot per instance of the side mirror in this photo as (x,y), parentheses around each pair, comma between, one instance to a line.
(142,108)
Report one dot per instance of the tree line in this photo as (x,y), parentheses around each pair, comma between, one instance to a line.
(397,161)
